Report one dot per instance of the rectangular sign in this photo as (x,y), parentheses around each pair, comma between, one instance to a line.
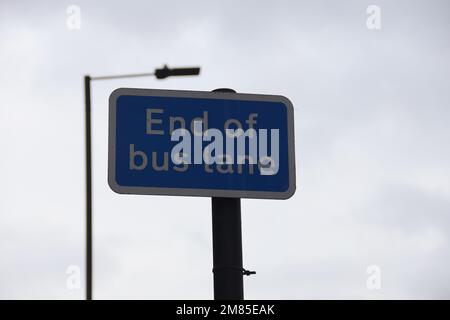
(193,143)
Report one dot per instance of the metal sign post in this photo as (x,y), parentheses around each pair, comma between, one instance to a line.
(227,245)
(227,249)
(219,144)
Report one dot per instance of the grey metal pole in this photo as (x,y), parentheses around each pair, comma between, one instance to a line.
(87,94)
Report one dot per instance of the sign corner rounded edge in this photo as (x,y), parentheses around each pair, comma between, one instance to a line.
(115,94)
(114,185)
(290,191)
(287,102)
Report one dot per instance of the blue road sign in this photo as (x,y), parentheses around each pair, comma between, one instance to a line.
(192,143)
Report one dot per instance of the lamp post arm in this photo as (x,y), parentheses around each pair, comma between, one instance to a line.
(132,75)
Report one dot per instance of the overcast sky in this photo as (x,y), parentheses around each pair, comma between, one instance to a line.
(372,111)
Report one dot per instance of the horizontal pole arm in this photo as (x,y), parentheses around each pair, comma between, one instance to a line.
(133,75)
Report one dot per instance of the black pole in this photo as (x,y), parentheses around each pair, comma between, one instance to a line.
(163,73)
(227,249)
(227,246)
(87,94)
